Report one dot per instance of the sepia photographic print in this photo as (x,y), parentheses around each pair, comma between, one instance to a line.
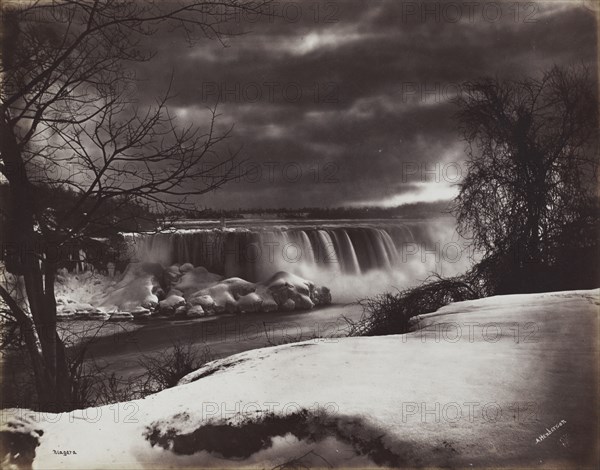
(299,234)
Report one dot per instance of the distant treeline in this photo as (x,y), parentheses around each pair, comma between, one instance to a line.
(129,215)
(421,210)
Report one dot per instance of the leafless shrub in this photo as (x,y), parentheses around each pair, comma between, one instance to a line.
(164,370)
(390,313)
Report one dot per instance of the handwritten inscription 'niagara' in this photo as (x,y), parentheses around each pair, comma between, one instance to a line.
(64,452)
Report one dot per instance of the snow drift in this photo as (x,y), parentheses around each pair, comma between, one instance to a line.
(474,385)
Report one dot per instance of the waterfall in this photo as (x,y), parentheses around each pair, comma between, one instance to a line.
(257,253)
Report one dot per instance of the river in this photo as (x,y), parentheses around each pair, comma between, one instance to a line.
(119,347)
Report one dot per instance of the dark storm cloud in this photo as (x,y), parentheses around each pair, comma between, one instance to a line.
(336,102)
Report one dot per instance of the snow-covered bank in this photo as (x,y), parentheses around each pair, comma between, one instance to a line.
(477,383)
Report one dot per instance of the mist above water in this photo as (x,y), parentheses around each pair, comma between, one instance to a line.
(354,259)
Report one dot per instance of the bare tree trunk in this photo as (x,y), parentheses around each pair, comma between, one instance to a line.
(27,328)
(49,362)
(61,367)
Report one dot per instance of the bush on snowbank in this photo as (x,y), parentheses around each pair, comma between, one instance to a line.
(391,313)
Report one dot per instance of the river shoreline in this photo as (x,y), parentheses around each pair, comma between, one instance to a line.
(120,346)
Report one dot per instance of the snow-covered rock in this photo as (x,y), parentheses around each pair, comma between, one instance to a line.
(172,274)
(140,313)
(181,311)
(99,316)
(250,302)
(321,296)
(204,300)
(176,292)
(185,267)
(135,288)
(141,290)
(65,315)
(195,279)
(171,304)
(195,311)
(120,316)
(19,436)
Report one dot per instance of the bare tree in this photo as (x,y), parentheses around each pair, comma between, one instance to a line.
(70,124)
(532,153)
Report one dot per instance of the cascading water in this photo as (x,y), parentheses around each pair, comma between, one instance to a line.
(348,258)
(253,253)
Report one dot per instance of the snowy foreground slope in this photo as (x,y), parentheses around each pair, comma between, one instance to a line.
(502,381)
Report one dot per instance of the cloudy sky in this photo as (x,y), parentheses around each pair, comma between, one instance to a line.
(348,102)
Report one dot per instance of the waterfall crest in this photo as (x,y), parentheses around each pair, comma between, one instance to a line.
(255,254)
